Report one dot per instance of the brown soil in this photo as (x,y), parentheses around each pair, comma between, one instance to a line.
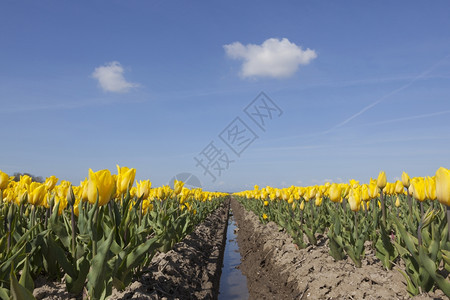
(276,269)
(189,271)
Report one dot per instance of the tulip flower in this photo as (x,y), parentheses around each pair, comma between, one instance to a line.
(319,200)
(430,188)
(418,188)
(335,193)
(125,179)
(365,192)
(143,188)
(354,200)
(36,193)
(50,182)
(101,184)
(178,186)
(443,186)
(4,180)
(381,181)
(291,199)
(405,179)
(443,191)
(398,187)
(302,205)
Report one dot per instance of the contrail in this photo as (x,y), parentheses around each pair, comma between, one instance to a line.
(410,118)
(423,74)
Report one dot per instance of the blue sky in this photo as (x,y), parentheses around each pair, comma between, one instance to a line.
(364,86)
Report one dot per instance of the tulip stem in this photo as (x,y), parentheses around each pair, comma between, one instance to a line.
(409,205)
(356,225)
(94,241)
(383,207)
(33,216)
(73,232)
(421,210)
(448,221)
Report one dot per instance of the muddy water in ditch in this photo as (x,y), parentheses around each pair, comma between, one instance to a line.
(233,285)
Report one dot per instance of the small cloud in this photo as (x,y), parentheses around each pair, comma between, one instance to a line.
(273,58)
(110,77)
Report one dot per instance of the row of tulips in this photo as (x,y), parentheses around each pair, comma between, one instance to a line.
(406,220)
(95,236)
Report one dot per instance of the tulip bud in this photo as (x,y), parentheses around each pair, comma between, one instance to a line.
(24,198)
(11,213)
(428,217)
(302,205)
(381,181)
(70,196)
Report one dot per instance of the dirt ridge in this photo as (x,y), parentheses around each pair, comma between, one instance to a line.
(276,269)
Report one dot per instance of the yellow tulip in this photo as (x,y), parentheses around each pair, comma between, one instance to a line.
(25,180)
(291,199)
(101,184)
(84,186)
(418,184)
(178,186)
(405,179)
(399,187)
(353,183)
(302,205)
(266,203)
(335,192)
(4,180)
(319,200)
(345,190)
(354,200)
(430,188)
(365,192)
(381,181)
(397,202)
(443,186)
(264,216)
(50,182)
(373,190)
(125,178)
(36,193)
(143,188)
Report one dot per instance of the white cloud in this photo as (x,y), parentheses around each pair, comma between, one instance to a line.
(273,58)
(110,77)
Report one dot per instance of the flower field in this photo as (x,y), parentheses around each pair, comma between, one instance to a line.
(405,222)
(102,234)
(94,236)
